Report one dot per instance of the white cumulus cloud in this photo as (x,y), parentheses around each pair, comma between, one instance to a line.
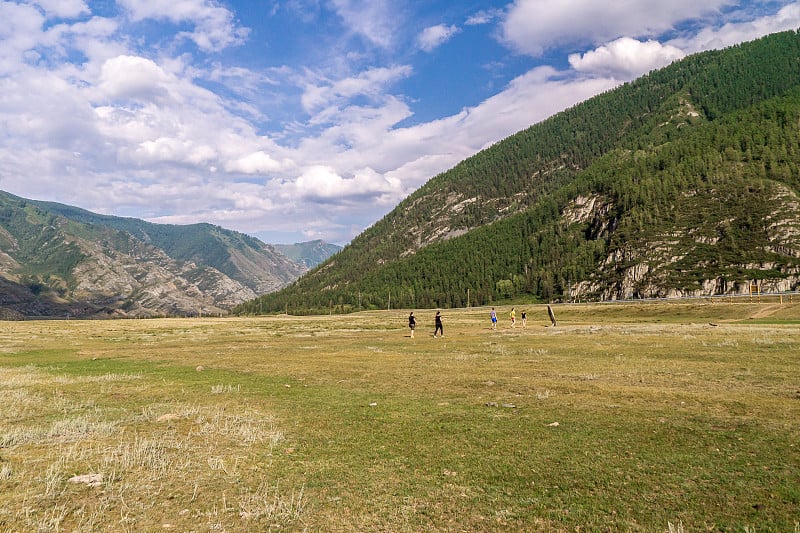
(625,58)
(483,17)
(63,8)
(434,36)
(20,33)
(258,162)
(214,25)
(787,18)
(324,184)
(372,82)
(375,20)
(132,77)
(533,26)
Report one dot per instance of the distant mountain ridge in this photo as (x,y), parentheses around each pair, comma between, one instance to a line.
(61,260)
(310,253)
(683,182)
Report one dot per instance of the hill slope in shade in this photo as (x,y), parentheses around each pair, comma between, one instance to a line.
(683,182)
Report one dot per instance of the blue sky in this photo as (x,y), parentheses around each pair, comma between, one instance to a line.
(303,119)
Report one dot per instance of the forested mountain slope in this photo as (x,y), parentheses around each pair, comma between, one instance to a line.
(682,182)
(57,260)
(249,261)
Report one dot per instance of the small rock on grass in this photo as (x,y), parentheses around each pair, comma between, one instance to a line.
(90,480)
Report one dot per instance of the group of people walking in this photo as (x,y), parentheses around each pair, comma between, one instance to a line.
(439,328)
(512,315)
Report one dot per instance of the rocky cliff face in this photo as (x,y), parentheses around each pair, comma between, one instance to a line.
(644,268)
(148,283)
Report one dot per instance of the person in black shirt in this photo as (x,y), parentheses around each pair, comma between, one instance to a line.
(412,323)
(438,322)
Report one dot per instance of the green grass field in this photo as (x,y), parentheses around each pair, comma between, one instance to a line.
(626,417)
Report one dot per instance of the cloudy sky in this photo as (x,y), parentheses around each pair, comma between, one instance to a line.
(293,120)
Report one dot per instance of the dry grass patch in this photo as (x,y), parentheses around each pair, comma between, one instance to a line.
(74,465)
(622,418)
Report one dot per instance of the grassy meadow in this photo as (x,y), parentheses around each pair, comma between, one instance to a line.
(628,417)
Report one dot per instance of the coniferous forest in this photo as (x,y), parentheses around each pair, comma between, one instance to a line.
(684,181)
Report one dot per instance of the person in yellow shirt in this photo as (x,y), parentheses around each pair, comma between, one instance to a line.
(513,315)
